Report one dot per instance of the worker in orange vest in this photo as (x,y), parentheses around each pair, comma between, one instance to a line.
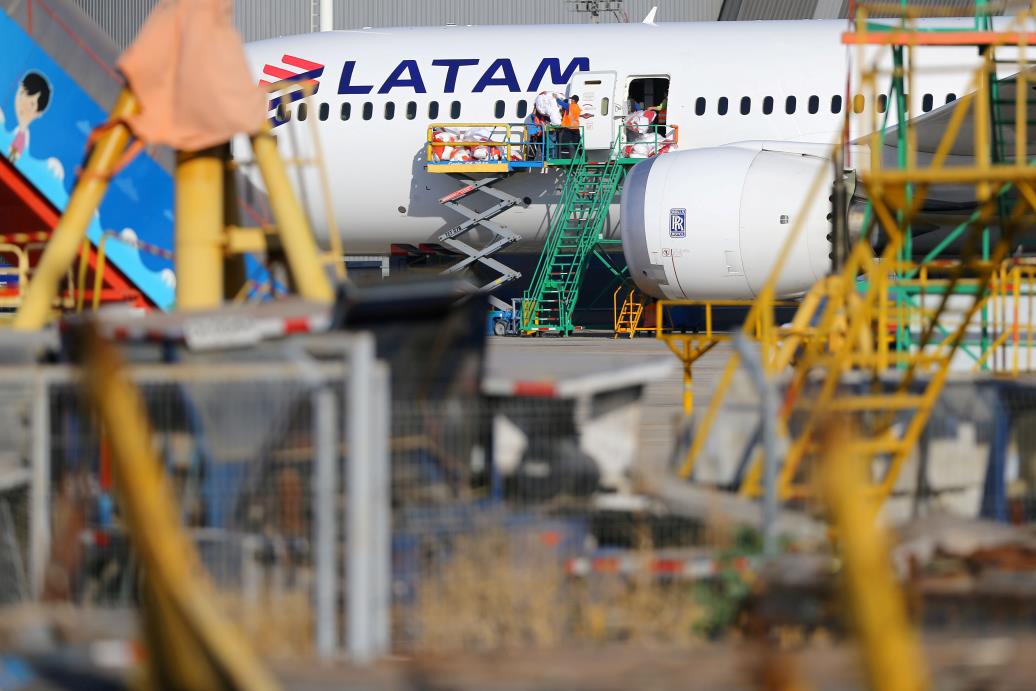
(572,115)
(570,123)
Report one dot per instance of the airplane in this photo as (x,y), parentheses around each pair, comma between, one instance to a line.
(758,104)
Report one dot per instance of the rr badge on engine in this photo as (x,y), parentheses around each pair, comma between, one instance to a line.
(678,223)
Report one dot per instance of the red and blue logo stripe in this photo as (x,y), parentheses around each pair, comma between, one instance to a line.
(293,80)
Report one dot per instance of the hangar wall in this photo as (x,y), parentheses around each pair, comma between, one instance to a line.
(258,19)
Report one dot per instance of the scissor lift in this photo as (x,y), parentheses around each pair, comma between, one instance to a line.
(502,237)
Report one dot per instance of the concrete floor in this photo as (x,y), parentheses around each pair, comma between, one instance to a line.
(662,408)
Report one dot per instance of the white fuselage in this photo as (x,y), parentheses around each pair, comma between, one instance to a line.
(387,80)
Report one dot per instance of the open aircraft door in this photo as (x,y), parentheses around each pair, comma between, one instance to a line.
(596,92)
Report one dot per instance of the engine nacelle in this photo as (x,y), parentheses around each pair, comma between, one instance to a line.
(710,223)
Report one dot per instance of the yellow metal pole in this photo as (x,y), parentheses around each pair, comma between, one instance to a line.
(891,650)
(199,229)
(84,250)
(102,258)
(296,236)
(334,240)
(688,380)
(68,236)
(190,642)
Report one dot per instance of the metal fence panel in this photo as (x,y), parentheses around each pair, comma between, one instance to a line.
(504,534)
(254,457)
(16,434)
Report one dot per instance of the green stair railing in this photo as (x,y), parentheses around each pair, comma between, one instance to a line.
(575,230)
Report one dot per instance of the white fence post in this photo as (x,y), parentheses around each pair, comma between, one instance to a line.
(381,427)
(39,521)
(325,485)
(367,525)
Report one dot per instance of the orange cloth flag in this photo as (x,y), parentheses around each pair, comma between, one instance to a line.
(188,69)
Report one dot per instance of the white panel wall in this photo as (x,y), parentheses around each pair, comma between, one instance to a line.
(258,19)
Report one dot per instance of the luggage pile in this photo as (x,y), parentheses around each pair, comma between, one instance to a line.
(644,139)
(469,144)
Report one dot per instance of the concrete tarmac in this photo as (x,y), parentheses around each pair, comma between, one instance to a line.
(663,399)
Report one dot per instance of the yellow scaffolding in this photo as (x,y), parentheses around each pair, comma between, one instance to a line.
(843,325)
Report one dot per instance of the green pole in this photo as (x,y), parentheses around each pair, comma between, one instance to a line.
(903,339)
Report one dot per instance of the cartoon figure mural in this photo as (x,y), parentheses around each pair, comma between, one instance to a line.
(45,123)
(46,120)
(30,103)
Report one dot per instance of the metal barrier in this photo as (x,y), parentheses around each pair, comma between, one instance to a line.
(259,454)
(18,270)
(656,143)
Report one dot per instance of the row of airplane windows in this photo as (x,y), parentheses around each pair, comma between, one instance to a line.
(859,104)
(522,107)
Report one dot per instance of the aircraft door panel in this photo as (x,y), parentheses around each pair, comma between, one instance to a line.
(596,92)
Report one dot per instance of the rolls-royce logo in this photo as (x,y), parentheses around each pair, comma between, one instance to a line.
(678,223)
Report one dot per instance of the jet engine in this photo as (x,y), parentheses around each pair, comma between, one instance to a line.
(710,223)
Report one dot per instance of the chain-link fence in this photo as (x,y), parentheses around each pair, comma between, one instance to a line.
(516,524)
(239,445)
(513,520)
(259,456)
(16,403)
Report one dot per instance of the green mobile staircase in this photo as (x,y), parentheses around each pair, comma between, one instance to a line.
(575,230)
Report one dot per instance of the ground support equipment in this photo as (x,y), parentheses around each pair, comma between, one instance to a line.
(501,239)
(575,232)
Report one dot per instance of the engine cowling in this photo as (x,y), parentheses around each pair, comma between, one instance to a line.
(710,223)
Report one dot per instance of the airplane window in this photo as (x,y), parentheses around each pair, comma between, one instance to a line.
(522,110)
(303,112)
(858,103)
(789,105)
(950,98)
(605,105)
(325,111)
(283,114)
(368,110)
(814,105)
(499,110)
(836,104)
(767,105)
(347,110)
(699,106)
(721,107)
(883,103)
(411,110)
(455,110)
(927,102)
(390,110)
(746,105)
(433,110)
